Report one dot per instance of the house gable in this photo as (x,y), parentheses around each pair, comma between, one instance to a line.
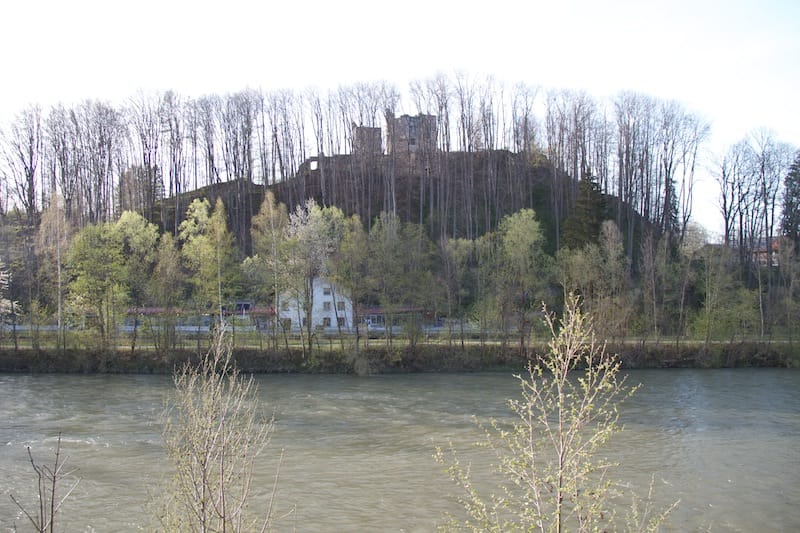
(332,311)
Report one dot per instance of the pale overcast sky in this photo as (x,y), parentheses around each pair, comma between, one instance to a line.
(735,62)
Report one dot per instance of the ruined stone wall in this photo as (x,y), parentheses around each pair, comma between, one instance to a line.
(407,134)
(367,141)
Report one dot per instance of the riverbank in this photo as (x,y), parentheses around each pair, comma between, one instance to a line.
(383,360)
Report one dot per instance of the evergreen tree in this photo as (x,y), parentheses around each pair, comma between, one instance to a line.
(583,224)
(791,202)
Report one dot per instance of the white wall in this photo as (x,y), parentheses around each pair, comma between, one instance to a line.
(329,303)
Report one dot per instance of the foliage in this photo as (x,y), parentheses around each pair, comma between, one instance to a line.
(788,305)
(313,234)
(522,270)
(658,284)
(492,280)
(486,305)
(111,265)
(348,266)
(385,260)
(600,274)
(168,277)
(729,309)
(577,271)
(210,256)
(213,434)
(549,475)
(732,315)
(98,291)
(166,289)
(400,269)
(266,269)
(138,240)
(456,255)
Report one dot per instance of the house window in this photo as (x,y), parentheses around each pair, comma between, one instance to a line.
(340,306)
(285,306)
(326,291)
(304,322)
(287,324)
(340,321)
(326,322)
(326,306)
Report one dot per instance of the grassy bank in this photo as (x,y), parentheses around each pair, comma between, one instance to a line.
(398,359)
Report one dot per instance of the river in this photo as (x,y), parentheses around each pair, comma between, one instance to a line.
(358,451)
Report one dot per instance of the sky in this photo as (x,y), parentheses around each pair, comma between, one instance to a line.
(734,62)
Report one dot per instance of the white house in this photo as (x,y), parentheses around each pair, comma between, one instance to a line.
(331,311)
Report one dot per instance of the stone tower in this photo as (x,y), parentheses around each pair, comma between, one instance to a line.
(407,134)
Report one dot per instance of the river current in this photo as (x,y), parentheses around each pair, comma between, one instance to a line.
(358,452)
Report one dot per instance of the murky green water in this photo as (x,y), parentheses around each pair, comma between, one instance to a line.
(358,451)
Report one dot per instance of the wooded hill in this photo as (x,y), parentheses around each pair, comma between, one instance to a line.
(451,195)
(475,155)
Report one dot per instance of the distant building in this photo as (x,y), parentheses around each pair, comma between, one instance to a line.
(764,255)
(332,311)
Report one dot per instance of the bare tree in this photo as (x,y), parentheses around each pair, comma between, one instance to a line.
(464,92)
(262,140)
(679,137)
(237,123)
(523,118)
(22,153)
(193,134)
(144,115)
(173,130)
(48,481)
(556,132)
(634,186)
(207,110)
(236,118)
(99,133)
(736,191)
(569,130)
(288,145)
(696,132)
